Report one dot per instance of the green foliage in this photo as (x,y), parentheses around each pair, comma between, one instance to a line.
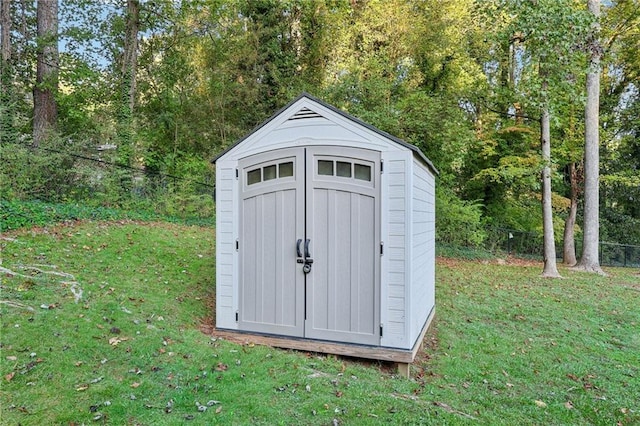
(28,214)
(29,173)
(458,222)
(460,79)
(507,346)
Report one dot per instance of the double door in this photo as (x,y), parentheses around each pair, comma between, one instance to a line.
(309,244)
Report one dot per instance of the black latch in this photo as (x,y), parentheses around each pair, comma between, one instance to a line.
(236,317)
(380,329)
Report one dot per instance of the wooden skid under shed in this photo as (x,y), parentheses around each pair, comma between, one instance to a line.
(400,356)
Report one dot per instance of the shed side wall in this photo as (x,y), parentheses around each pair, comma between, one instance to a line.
(422,292)
(395,236)
(226,256)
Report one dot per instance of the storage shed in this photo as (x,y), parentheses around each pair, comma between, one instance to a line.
(325,236)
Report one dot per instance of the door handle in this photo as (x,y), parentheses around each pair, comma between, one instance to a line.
(298,251)
(306,249)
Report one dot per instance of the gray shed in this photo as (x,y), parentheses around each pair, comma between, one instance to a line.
(325,236)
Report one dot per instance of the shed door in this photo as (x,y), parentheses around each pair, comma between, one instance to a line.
(309,244)
(343,223)
(271,220)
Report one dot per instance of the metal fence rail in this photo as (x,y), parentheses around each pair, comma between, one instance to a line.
(625,255)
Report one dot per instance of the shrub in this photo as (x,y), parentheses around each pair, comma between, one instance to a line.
(458,222)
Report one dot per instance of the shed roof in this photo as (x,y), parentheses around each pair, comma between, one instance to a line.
(416,151)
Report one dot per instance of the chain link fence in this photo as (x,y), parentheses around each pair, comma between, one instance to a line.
(96,179)
(529,244)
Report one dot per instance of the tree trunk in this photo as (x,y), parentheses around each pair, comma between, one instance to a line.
(130,63)
(550,267)
(6,115)
(569,246)
(45,110)
(589,261)
(5,23)
(128,83)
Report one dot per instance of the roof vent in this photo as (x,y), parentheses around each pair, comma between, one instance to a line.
(304,113)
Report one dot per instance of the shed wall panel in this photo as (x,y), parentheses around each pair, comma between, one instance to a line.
(422,294)
(395,199)
(226,269)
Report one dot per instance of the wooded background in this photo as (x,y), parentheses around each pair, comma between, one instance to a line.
(123,103)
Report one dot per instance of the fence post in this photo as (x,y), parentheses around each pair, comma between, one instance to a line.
(626,250)
(600,252)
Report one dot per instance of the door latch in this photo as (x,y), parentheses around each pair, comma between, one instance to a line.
(305,259)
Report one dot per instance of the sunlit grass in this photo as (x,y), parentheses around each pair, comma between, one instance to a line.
(507,347)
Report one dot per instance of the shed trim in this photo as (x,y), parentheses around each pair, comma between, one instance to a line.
(307,114)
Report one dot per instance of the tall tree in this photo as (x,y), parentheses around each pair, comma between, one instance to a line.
(550,268)
(128,81)
(45,110)
(568,241)
(543,56)
(590,261)
(130,60)
(5,32)
(5,74)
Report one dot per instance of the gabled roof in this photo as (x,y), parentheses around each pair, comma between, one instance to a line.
(416,151)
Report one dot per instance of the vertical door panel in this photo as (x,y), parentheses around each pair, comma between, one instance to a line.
(343,226)
(271,284)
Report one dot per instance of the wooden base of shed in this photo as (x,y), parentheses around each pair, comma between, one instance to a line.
(402,357)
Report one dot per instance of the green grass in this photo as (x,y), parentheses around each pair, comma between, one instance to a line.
(507,346)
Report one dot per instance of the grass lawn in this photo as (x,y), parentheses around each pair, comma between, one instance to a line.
(101,324)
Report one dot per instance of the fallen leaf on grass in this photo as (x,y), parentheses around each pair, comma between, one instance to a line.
(135,385)
(219,410)
(9,376)
(568,405)
(49,306)
(114,341)
(540,404)
(222,367)
(82,388)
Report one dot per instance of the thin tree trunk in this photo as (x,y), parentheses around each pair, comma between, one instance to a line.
(569,246)
(45,110)
(6,113)
(5,23)
(589,261)
(550,266)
